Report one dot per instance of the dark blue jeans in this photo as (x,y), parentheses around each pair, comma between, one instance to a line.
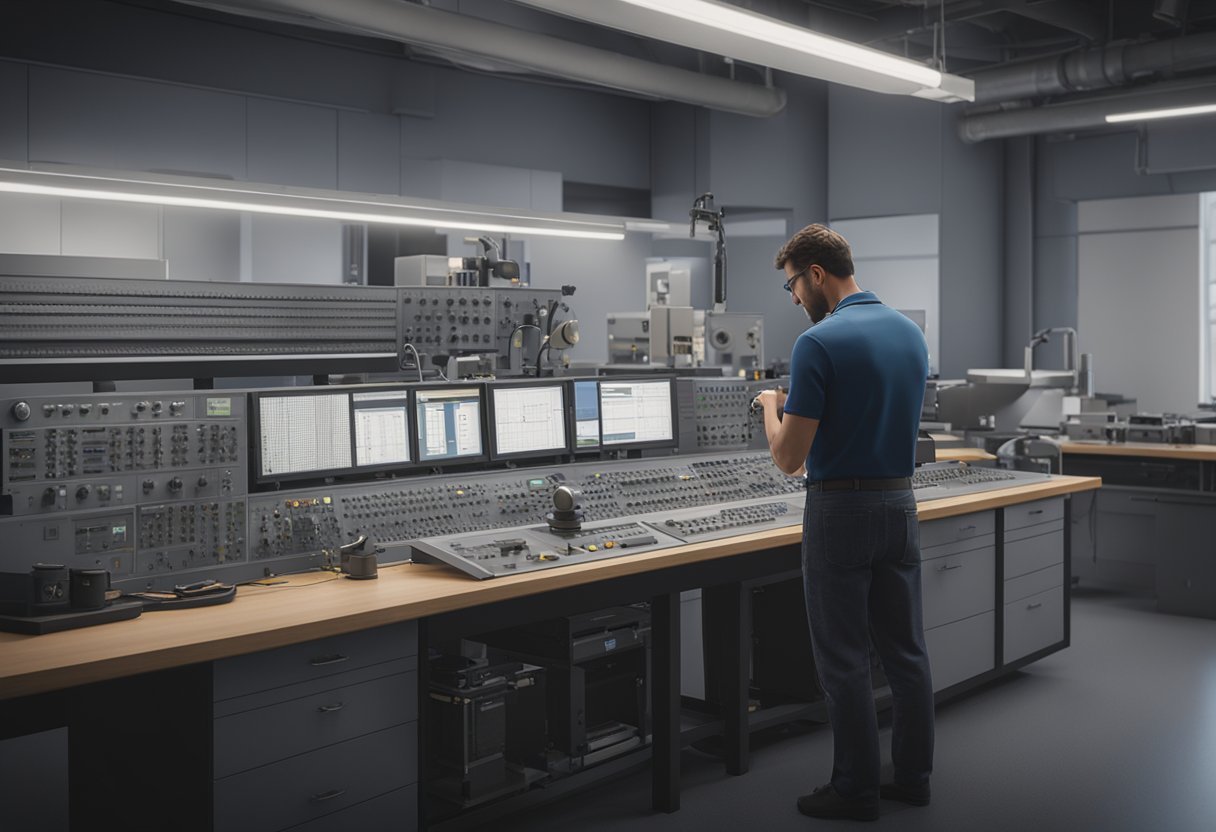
(861,572)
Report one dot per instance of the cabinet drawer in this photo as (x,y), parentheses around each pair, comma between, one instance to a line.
(1033,553)
(396,811)
(952,529)
(957,547)
(268,669)
(961,650)
(958,586)
(1031,514)
(256,737)
(318,783)
(1034,623)
(1032,583)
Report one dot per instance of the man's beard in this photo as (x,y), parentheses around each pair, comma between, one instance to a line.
(817,305)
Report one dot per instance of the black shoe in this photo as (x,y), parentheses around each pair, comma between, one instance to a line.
(826,802)
(912,795)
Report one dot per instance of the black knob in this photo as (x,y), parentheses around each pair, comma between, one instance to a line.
(21,411)
(148,485)
(82,493)
(202,482)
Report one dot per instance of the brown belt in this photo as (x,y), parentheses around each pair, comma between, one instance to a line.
(893,484)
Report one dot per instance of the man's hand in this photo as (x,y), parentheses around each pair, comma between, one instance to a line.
(771,401)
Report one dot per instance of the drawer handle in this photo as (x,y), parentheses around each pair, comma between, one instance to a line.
(1034,606)
(321,661)
(329,795)
(945,567)
(966,528)
(1036,511)
(329,709)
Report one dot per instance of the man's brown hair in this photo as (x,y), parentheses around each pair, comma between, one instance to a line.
(818,245)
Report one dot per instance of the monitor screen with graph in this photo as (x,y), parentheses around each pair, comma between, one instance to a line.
(528,419)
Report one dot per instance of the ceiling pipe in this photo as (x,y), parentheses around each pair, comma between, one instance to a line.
(1094,68)
(454,33)
(1083,115)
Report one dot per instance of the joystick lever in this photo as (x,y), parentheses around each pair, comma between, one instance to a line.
(567,514)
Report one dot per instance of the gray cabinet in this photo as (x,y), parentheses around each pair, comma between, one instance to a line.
(320,735)
(1186,559)
(34,781)
(1115,538)
(958,585)
(961,650)
(1033,575)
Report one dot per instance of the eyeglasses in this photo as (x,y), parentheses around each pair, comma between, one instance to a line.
(789,284)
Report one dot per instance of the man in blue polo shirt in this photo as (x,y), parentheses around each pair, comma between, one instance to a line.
(857,380)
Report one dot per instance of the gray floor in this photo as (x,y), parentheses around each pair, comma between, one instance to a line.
(1118,732)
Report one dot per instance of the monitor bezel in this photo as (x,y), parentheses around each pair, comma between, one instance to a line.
(492,418)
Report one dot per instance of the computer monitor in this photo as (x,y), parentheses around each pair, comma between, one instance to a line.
(449,424)
(637,414)
(382,428)
(586,415)
(312,433)
(301,435)
(528,419)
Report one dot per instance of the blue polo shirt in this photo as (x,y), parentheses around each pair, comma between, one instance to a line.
(861,372)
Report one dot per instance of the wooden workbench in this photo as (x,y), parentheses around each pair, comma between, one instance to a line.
(1143,449)
(963,455)
(314,605)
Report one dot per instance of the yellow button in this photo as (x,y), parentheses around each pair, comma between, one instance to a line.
(327,500)
(593,548)
(608,544)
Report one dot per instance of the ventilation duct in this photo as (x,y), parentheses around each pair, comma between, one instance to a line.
(1095,68)
(1083,115)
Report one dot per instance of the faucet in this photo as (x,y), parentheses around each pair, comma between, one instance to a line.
(1070,349)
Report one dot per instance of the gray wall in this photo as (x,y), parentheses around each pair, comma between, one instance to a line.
(1053,174)
(1138,306)
(1072,168)
(892,156)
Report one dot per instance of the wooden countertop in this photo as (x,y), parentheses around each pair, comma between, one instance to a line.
(313,605)
(1150,449)
(963,455)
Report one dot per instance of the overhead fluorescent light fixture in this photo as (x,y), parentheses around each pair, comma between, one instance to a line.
(189,192)
(1167,112)
(743,35)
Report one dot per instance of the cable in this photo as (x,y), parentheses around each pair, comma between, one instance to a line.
(552,310)
(539,353)
(417,359)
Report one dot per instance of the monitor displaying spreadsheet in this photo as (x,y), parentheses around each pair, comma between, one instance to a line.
(637,413)
(382,427)
(449,424)
(303,434)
